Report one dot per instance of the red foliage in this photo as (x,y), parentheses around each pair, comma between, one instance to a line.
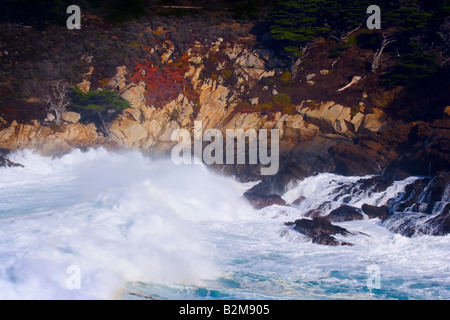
(163,83)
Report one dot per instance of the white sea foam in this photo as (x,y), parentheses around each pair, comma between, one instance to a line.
(139,226)
(119,217)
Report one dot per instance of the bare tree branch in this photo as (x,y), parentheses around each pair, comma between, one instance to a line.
(355,79)
(57,99)
(387,39)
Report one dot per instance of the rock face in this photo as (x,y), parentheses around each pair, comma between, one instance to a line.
(319,230)
(259,201)
(423,209)
(344,213)
(8,163)
(307,132)
(375,212)
(417,148)
(49,141)
(71,117)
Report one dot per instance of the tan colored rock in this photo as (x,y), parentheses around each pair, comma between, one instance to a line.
(84,86)
(127,133)
(254,101)
(134,94)
(71,117)
(8,137)
(321,116)
(354,124)
(170,49)
(50,117)
(373,122)
(118,81)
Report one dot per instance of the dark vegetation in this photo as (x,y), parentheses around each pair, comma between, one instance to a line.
(417,61)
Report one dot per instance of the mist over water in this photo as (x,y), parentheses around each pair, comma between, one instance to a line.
(142,227)
(119,217)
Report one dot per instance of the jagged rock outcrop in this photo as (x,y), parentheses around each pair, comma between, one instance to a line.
(417,148)
(320,231)
(344,213)
(4,162)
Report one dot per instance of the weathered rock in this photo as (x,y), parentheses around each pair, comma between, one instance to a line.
(440,224)
(328,116)
(375,212)
(299,200)
(259,201)
(405,150)
(8,163)
(84,86)
(50,117)
(71,117)
(118,82)
(344,213)
(319,230)
(411,224)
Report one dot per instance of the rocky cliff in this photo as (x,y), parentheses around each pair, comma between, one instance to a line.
(312,127)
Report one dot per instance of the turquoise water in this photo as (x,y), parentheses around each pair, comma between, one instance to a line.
(143,229)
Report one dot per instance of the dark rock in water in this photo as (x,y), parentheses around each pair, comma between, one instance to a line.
(299,200)
(319,230)
(423,209)
(411,195)
(375,212)
(264,194)
(8,163)
(319,211)
(435,190)
(313,213)
(365,186)
(259,201)
(440,224)
(411,224)
(344,213)
(266,186)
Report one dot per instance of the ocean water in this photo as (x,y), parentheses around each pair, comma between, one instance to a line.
(104,225)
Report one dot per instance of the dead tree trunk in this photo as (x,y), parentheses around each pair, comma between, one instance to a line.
(376,58)
(57,99)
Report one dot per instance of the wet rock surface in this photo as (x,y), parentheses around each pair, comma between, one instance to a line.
(344,213)
(375,212)
(320,231)
(4,162)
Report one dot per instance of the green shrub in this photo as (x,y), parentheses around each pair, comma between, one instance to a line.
(337,51)
(411,67)
(97,101)
(286,79)
(282,99)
